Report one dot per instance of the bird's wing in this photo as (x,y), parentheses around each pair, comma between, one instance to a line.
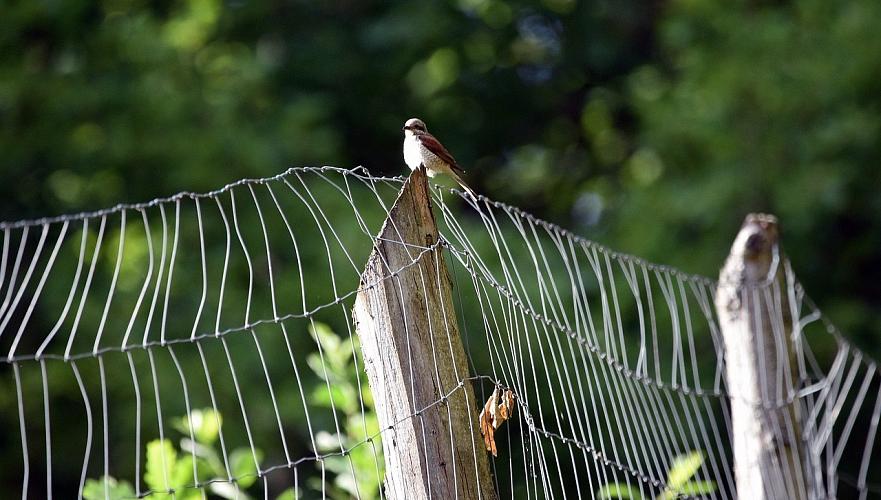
(439,150)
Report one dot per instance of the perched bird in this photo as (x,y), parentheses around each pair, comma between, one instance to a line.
(422,149)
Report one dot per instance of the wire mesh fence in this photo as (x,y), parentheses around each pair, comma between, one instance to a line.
(203,345)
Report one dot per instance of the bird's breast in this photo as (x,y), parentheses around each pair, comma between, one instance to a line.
(412,152)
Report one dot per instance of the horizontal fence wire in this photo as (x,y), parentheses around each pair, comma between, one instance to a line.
(203,344)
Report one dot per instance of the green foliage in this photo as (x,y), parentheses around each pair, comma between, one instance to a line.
(619,490)
(684,468)
(107,488)
(205,425)
(168,470)
(290,494)
(163,470)
(359,472)
(768,106)
(679,482)
(692,111)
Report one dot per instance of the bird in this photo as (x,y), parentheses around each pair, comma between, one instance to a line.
(421,149)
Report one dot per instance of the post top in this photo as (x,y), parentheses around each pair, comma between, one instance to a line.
(758,236)
(755,254)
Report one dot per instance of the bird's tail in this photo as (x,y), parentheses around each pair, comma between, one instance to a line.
(466,187)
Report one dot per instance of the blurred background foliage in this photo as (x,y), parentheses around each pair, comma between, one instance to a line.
(652,127)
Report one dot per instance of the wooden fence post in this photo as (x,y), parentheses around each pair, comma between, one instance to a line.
(756,323)
(415,361)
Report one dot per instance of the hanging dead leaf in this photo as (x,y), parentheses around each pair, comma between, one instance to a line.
(486,422)
(497,409)
(506,408)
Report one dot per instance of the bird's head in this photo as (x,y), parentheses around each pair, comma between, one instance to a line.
(413,126)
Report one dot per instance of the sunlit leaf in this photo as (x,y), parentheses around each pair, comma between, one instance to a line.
(230,491)
(698,488)
(242,466)
(619,491)
(290,494)
(346,482)
(683,468)
(325,336)
(107,488)
(207,424)
(161,461)
(338,465)
(343,397)
(327,442)
(193,25)
(317,365)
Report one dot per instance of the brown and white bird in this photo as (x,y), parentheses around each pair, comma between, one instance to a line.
(421,148)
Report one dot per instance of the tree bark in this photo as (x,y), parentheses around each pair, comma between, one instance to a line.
(756,322)
(415,362)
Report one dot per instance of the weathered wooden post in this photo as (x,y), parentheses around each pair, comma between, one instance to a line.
(415,362)
(756,322)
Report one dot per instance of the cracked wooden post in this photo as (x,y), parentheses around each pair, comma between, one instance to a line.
(415,361)
(756,322)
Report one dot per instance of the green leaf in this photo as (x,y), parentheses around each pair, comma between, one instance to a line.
(369,478)
(339,465)
(325,336)
(229,491)
(318,367)
(360,427)
(684,467)
(161,461)
(346,482)
(206,425)
(367,395)
(182,478)
(208,463)
(289,494)
(698,488)
(182,425)
(115,490)
(242,466)
(619,490)
(327,442)
(341,394)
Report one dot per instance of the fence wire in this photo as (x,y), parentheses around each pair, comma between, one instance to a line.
(202,346)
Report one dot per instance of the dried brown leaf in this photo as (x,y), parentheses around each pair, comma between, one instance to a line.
(494,414)
(486,422)
(506,408)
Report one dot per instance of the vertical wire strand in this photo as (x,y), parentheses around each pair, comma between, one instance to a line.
(120,251)
(25,457)
(88,405)
(88,285)
(48,428)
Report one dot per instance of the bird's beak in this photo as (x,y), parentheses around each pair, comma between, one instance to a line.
(404,127)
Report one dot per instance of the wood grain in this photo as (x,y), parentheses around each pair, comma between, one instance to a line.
(415,362)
